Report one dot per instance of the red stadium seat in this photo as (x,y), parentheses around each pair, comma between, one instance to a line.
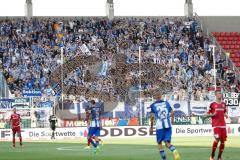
(232,55)
(236,46)
(235,59)
(235,34)
(235,51)
(235,38)
(224,42)
(226,46)
(229,42)
(220,39)
(230,38)
(218,34)
(222,34)
(231,33)
(227,34)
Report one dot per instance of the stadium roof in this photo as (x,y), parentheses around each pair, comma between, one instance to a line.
(122,7)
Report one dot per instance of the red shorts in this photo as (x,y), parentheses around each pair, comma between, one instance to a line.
(220,133)
(16,130)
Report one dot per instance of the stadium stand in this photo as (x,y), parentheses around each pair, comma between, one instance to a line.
(31,51)
(230,41)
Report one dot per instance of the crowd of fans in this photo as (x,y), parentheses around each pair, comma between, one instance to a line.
(46,54)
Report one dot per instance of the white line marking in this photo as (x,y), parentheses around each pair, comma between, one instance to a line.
(80,148)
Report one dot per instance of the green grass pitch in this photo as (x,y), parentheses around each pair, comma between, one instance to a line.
(197,148)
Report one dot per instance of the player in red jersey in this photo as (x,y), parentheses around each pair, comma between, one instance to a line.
(217,112)
(15,121)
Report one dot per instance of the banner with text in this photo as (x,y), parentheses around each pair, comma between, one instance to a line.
(116,132)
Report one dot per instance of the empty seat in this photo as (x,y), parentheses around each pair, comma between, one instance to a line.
(235,34)
(223,42)
(214,34)
(235,59)
(226,46)
(221,39)
(227,34)
(225,38)
(235,38)
(223,34)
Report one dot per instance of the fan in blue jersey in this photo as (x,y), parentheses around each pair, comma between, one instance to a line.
(162,112)
(94,124)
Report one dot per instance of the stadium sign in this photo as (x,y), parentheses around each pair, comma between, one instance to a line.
(19,103)
(32,93)
(105,122)
(6,104)
(232,101)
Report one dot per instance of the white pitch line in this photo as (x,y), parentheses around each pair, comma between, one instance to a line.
(79,148)
(70,148)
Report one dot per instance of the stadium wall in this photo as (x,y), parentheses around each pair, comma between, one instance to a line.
(222,23)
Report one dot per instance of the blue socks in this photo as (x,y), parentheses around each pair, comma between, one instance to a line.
(172,148)
(97,143)
(163,155)
(92,142)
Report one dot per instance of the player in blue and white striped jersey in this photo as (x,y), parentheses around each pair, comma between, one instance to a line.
(94,123)
(162,112)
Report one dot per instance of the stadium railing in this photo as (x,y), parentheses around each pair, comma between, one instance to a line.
(4,89)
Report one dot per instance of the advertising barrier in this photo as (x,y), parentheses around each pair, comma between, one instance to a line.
(116,132)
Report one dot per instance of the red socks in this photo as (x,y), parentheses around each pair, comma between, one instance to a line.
(214,147)
(88,142)
(20,139)
(13,140)
(221,149)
